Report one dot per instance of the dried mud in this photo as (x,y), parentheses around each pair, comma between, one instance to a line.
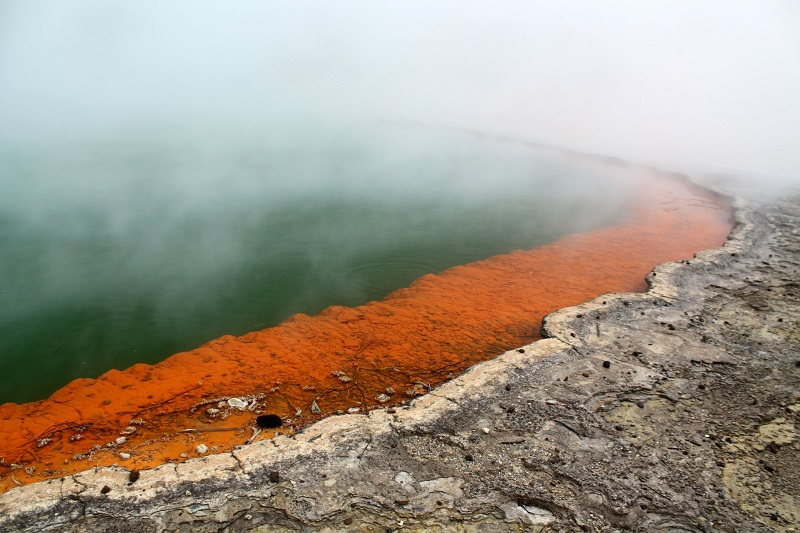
(672,410)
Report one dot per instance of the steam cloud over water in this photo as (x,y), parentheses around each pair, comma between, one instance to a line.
(698,85)
(152,152)
(125,252)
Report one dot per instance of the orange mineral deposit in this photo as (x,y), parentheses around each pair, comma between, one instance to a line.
(350,359)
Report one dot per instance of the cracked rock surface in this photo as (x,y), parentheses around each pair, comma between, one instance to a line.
(674,410)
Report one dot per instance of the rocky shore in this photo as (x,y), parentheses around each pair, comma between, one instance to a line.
(673,410)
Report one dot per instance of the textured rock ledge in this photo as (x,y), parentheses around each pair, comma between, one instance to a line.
(674,410)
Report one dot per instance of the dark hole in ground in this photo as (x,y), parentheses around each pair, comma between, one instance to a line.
(269,421)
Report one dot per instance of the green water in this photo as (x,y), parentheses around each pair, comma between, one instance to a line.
(122,252)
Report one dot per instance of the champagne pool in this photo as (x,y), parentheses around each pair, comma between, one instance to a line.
(294,281)
(116,254)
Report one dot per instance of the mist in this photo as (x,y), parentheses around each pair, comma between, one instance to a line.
(690,85)
(169,170)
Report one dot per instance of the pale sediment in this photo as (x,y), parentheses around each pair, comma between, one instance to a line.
(673,410)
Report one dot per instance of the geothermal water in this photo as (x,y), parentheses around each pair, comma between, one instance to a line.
(566,229)
(121,253)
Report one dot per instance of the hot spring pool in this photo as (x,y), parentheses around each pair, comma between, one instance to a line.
(122,252)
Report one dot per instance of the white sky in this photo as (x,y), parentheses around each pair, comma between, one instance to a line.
(695,85)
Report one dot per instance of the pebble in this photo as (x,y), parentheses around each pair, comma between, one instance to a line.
(606,364)
(485,430)
(274,476)
(237,403)
(201,448)
(124,455)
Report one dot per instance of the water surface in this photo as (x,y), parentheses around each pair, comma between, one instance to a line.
(121,252)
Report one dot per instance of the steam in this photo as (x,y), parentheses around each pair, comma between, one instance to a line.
(165,139)
(708,86)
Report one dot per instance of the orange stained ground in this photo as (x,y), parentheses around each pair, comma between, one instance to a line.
(350,359)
